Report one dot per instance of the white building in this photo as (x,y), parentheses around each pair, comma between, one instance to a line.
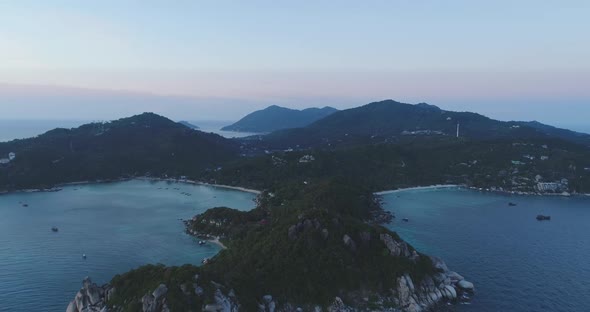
(306,159)
(4,161)
(544,157)
(11,156)
(548,186)
(529,157)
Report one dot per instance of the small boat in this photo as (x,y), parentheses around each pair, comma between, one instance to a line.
(84,256)
(205,261)
(406,220)
(511,204)
(202,242)
(25,205)
(543,218)
(54,229)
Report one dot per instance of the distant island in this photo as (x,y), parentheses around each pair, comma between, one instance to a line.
(275,118)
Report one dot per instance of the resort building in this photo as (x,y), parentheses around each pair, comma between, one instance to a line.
(550,186)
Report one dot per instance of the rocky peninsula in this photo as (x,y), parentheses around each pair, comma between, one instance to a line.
(385,272)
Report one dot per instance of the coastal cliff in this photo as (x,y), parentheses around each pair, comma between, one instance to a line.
(433,291)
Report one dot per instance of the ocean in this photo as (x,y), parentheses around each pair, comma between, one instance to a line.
(22,129)
(516,262)
(119,226)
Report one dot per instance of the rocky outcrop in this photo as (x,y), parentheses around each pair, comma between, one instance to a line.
(348,242)
(339,306)
(91,298)
(409,296)
(156,301)
(398,248)
(267,304)
(302,226)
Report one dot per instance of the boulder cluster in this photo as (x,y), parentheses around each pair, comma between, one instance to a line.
(398,248)
(304,225)
(91,298)
(156,301)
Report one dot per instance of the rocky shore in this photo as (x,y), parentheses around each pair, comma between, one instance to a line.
(430,294)
(409,292)
(91,298)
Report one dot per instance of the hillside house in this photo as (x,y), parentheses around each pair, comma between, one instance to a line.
(306,159)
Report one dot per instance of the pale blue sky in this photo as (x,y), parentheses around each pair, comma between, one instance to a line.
(508,59)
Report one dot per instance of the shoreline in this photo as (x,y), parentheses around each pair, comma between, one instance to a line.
(236,188)
(217,242)
(427,187)
(58,187)
(479,189)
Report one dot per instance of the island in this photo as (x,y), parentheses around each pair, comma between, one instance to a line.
(315,241)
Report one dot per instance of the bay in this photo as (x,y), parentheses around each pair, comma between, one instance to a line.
(119,226)
(516,262)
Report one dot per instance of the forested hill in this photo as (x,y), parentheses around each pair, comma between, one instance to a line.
(138,145)
(568,135)
(382,121)
(275,118)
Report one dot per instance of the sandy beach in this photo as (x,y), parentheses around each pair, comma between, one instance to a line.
(437,186)
(217,242)
(237,188)
(58,186)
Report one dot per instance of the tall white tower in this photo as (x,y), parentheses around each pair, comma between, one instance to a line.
(457,129)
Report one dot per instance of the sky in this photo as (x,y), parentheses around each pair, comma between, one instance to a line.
(222,59)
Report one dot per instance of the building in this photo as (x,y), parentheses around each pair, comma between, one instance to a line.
(4,161)
(529,157)
(11,156)
(548,186)
(544,157)
(306,159)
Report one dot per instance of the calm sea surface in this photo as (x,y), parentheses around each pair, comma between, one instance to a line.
(516,262)
(22,129)
(119,226)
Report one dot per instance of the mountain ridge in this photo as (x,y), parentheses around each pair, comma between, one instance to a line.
(386,120)
(276,117)
(138,145)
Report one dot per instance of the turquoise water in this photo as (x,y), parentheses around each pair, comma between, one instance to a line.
(119,226)
(516,262)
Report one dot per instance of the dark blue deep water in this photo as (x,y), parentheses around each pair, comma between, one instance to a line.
(119,226)
(516,262)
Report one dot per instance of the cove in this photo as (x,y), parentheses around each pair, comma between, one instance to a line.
(119,226)
(516,262)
